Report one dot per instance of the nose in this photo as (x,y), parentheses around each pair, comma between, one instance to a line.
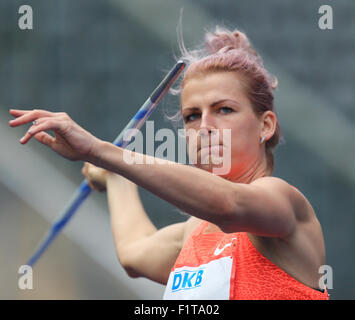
(207,124)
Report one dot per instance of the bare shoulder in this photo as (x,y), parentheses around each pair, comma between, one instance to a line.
(302,251)
(301,206)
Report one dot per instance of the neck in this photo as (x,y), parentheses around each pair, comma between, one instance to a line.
(257,170)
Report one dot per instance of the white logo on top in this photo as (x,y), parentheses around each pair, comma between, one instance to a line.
(218,251)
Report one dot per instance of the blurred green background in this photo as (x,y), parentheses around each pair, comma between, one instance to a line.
(99,61)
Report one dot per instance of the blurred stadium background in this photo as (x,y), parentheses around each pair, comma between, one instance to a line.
(98,61)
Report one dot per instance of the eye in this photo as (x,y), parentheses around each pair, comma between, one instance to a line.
(225,109)
(191,117)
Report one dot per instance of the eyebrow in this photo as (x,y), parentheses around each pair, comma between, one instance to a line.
(212,104)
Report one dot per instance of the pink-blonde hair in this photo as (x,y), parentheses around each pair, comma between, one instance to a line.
(226,50)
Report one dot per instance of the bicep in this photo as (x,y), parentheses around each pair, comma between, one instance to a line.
(154,256)
(265,207)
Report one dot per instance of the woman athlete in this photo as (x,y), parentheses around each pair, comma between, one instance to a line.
(249,235)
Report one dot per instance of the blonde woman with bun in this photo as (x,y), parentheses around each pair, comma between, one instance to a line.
(249,235)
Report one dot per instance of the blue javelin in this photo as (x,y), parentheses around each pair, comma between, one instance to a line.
(121,141)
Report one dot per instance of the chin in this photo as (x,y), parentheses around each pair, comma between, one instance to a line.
(212,167)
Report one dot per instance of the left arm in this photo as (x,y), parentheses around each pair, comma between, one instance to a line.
(193,190)
(265,207)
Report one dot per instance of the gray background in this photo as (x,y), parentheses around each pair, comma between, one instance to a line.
(99,60)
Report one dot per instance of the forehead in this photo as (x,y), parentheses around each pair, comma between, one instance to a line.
(213,86)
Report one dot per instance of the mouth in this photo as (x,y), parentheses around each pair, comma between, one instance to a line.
(210,146)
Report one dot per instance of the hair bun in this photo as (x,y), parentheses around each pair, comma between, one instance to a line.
(223,40)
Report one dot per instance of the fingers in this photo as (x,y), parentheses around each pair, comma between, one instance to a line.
(17,112)
(71,141)
(90,184)
(93,177)
(84,169)
(26,116)
(43,124)
(44,138)
(95,186)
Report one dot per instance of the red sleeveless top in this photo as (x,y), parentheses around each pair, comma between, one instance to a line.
(227,266)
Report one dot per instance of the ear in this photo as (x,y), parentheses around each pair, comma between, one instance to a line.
(268,124)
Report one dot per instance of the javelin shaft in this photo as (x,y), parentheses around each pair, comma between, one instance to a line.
(122,140)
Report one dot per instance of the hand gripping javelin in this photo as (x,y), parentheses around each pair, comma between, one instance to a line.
(84,190)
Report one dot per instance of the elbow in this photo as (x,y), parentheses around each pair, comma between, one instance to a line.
(130,272)
(127,265)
